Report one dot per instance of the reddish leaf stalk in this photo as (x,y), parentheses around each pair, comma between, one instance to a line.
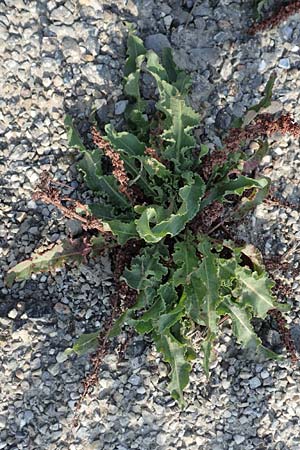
(153,153)
(265,125)
(282,14)
(50,195)
(118,164)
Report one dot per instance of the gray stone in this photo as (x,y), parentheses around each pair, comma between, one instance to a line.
(264,374)
(120,107)
(161,438)
(254,383)
(13,313)
(74,227)
(62,15)
(35,364)
(238,439)
(157,42)
(61,357)
(101,109)
(71,50)
(284,63)
(54,370)
(135,380)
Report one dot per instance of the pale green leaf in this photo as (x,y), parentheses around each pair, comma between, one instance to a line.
(135,48)
(174,352)
(145,268)
(255,291)
(59,255)
(186,260)
(74,138)
(173,223)
(86,343)
(123,231)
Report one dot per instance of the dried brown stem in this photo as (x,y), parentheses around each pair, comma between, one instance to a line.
(117,163)
(50,195)
(265,125)
(282,14)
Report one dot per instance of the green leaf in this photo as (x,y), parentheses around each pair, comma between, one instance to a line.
(86,343)
(107,212)
(243,330)
(91,166)
(145,269)
(179,78)
(135,48)
(156,168)
(125,142)
(57,256)
(123,231)
(241,325)
(173,223)
(74,138)
(105,185)
(267,98)
(145,323)
(254,110)
(175,353)
(154,66)
(182,120)
(186,260)
(236,186)
(247,204)
(255,291)
(179,120)
(207,347)
(203,291)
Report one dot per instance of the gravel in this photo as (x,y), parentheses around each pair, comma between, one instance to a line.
(59,58)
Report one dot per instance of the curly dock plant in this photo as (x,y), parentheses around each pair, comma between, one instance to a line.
(165,198)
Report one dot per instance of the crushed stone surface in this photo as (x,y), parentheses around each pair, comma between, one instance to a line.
(59,57)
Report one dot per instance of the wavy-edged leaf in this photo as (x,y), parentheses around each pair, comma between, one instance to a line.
(173,223)
(105,185)
(176,354)
(107,212)
(145,269)
(243,330)
(183,119)
(179,120)
(179,78)
(91,166)
(249,203)
(203,291)
(123,141)
(135,48)
(255,291)
(59,255)
(145,323)
(132,153)
(186,260)
(135,110)
(236,186)
(124,231)
(74,138)
(241,326)
(155,168)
